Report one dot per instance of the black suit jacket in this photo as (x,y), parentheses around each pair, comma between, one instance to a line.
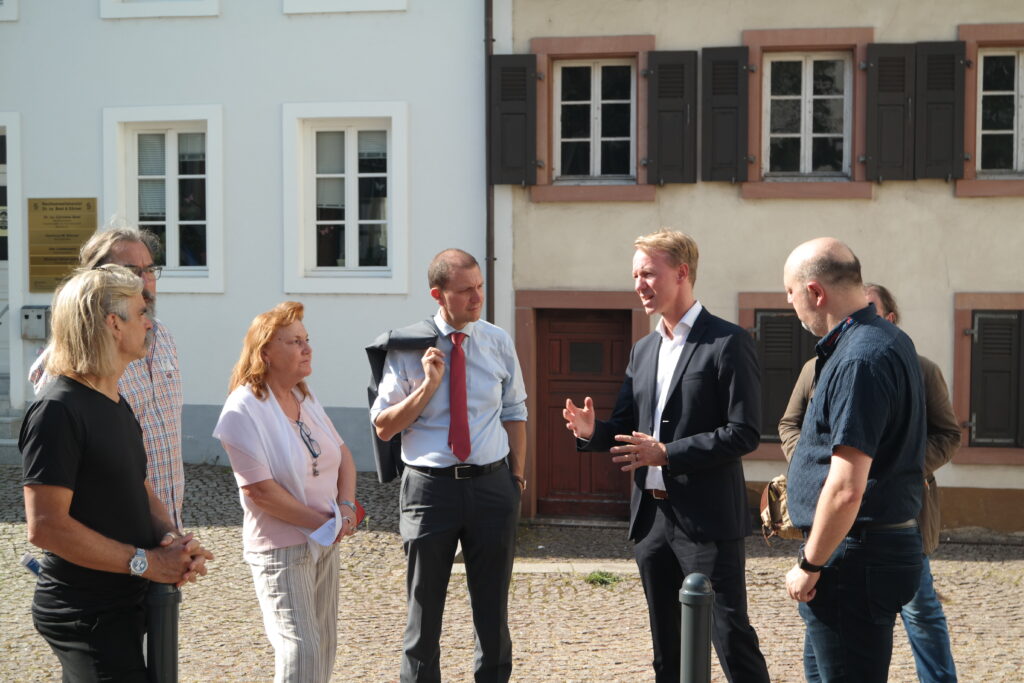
(711,419)
(387,455)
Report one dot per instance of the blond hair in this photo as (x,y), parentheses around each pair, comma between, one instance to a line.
(251,369)
(678,246)
(80,341)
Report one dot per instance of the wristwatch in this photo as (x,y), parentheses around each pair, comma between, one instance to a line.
(807,566)
(139,563)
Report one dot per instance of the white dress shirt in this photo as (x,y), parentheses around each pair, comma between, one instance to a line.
(669,353)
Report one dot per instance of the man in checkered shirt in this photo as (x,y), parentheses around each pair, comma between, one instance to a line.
(151,385)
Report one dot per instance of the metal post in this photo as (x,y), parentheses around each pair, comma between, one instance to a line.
(697,598)
(162,602)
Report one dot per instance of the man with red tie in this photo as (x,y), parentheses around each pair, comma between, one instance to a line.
(461,410)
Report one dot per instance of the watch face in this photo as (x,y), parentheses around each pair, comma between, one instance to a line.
(139,564)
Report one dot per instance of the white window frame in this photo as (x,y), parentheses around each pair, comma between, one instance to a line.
(1018,123)
(8,10)
(300,124)
(333,6)
(120,193)
(595,119)
(149,9)
(806,118)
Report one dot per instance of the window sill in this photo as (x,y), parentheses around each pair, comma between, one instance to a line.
(990,188)
(122,9)
(816,189)
(979,455)
(340,6)
(592,193)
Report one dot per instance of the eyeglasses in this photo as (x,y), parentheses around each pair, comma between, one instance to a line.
(148,270)
(311,445)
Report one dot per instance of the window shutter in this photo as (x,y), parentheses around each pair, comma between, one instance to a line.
(995,378)
(672,117)
(890,114)
(512,114)
(782,348)
(724,115)
(939,147)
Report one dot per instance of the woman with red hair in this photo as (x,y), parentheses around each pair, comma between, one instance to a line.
(298,485)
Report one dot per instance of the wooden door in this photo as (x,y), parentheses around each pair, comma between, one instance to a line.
(579,353)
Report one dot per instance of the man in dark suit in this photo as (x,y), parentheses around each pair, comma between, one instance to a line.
(687,411)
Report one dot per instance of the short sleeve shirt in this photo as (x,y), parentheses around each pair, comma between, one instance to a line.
(869,395)
(77,438)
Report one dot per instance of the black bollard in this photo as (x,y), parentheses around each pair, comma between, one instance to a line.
(697,599)
(162,602)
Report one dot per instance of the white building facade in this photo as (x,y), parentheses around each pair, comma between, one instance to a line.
(312,150)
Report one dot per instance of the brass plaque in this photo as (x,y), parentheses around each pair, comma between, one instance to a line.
(57,229)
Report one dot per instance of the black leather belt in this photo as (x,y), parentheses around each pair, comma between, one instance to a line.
(862,528)
(460,471)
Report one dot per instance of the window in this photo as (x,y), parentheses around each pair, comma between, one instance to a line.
(595,106)
(167,172)
(349,168)
(783,347)
(805,126)
(8,10)
(163,171)
(346,208)
(999,104)
(807,121)
(139,9)
(993,115)
(997,396)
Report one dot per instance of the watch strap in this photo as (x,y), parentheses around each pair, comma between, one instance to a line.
(808,566)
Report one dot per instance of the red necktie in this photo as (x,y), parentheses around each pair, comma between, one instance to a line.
(458,428)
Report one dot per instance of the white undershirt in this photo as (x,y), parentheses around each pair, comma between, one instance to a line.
(669,353)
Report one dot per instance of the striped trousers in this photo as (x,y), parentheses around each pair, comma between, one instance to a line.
(299,599)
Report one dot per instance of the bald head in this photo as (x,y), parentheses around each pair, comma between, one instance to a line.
(825,260)
(822,281)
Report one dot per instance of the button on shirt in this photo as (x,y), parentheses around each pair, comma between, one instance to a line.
(494,389)
(669,353)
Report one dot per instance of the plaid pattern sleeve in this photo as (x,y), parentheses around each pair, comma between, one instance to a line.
(152,387)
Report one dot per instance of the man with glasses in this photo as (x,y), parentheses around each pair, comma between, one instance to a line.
(151,385)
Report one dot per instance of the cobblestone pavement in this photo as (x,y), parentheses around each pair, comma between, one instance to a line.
(563,628)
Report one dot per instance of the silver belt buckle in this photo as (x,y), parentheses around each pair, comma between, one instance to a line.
(459,469)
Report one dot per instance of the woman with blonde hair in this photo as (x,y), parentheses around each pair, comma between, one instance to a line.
(297,486)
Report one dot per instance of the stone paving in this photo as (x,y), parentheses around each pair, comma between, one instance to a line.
(563,628)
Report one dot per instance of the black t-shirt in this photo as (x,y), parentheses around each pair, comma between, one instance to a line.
(77,438)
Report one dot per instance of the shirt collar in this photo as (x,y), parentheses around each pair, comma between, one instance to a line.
(830,341)
(447,329)
(684,325)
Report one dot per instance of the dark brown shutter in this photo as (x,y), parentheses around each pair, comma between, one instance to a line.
(890,112)
(724,114)
(782,349)
(995,378)
(672,117)
(513,120)
(939,138)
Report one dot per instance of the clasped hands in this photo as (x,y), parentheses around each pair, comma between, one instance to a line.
(178,559)
(638,449)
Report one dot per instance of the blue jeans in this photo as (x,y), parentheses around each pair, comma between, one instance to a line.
(850,621)
(926,628)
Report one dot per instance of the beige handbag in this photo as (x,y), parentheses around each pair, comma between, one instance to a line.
(775,519)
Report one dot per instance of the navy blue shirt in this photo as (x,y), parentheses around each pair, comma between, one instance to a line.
(869,395)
